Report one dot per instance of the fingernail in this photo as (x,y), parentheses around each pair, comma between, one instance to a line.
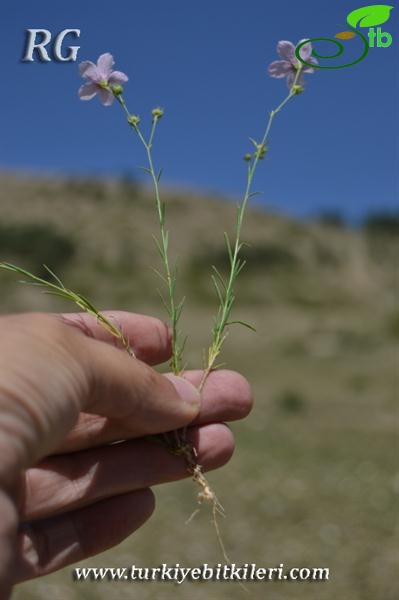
(185,389)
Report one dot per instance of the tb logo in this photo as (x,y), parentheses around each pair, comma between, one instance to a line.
(37,41)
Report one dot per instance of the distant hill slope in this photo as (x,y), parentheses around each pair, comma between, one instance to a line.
(101,233)
(304,283)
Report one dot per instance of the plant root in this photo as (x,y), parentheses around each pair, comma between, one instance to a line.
(206,495)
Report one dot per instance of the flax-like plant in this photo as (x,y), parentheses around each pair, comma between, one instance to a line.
(169,276)
(225,288)
(102,80)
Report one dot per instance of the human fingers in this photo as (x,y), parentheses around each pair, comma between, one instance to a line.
(66,482)
(49,373)
(226,396)
(50,544)
(148,337)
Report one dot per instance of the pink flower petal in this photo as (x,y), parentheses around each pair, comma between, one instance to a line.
(104,65)
(306,50)
(309,59)
(106,97)
(117,77)
(88,70)
(88,91)
(279,68)
(287,51)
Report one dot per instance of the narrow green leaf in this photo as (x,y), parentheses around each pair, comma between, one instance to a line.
(221,279)
(183,346)
(241,266)
(87,303)
(31,283)
(228,246)
(146,170)
(159,247)
(166,307)
(55,293)
(159,274)
(219,293)
(180,308)
(57,279)
(173,286)
(241,323)
(219,365)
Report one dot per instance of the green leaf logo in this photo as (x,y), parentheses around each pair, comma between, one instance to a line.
(369,16)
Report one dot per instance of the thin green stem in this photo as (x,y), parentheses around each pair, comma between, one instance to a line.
(174,308)
(226,294)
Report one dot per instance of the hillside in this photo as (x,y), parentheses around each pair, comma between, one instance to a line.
(314,475)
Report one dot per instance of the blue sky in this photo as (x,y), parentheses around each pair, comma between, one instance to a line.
(206,64)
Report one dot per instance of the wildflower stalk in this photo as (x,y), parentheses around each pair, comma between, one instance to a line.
(225,290)
(59,289)
(173,307)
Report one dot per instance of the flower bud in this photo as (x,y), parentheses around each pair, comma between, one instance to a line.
(133,120)
(261,150)
(117,89)
(157,113)
(247,157)
(297,89)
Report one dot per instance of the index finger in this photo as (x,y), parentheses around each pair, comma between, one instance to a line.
(148,337)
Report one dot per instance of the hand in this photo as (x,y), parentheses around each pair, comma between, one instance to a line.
(66,394)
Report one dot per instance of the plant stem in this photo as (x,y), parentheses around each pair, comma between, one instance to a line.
(173,308)
(59,289)
(226,294)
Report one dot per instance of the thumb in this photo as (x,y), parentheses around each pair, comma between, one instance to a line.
(126,389)
(49,372)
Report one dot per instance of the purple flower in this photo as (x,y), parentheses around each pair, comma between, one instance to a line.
(100,78)
(289,66)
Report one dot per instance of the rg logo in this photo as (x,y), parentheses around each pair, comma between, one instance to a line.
(37,41)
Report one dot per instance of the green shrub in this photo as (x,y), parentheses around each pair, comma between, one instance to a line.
(324,254)
(291,401)
(392,325)
(262,257)
(383,224)
(90,189)
(35,245)
(332,218)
